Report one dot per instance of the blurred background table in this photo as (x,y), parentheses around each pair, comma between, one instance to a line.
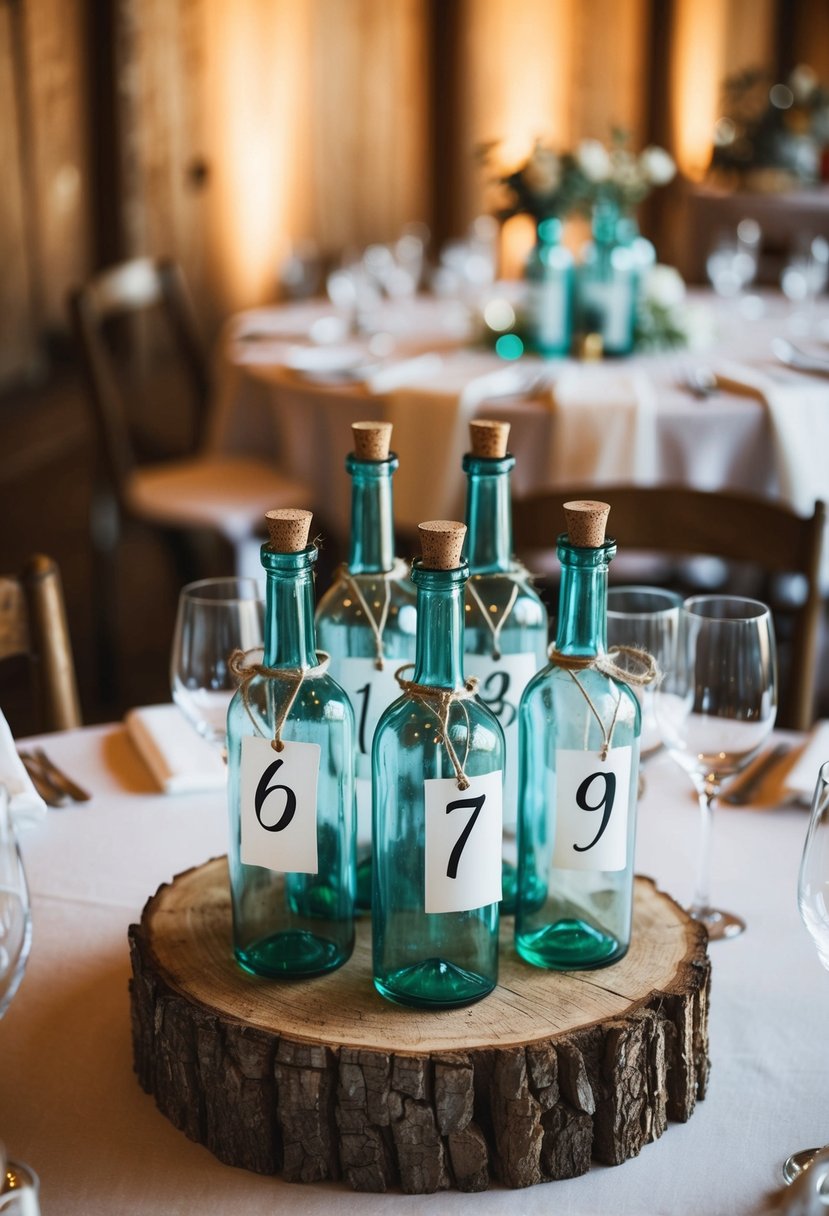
(72,1108)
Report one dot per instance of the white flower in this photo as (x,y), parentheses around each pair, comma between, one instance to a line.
(593,159)
(803,82)
(664,287)
(542,172)
(657,166)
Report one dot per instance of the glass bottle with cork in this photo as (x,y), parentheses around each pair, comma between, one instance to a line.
(437,767)
(579,728)
(366,621)
(506,626)
(290,744)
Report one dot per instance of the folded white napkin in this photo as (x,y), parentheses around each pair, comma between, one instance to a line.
(26,805)
(181,761)
(604,425)
(802,776)
(798,410)
(401,372)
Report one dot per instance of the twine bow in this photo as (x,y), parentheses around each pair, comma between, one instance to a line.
(292,676)
(439,702)
(344,575)
(607,665)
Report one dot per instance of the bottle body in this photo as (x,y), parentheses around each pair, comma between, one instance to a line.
(366,622)
(292,814)
(437,846)
(578,776)
(608,284)
(549,277)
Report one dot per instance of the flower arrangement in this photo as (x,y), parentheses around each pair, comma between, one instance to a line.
(551,183)
(664,318)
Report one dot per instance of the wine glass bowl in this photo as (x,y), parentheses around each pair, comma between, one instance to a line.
(645,618)
(216,616)
(715,708)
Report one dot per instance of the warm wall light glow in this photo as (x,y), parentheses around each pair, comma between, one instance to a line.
(517,239)
(257,106)
(697,68)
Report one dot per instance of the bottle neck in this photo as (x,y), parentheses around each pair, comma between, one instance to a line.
(488,547)
(582,601)
(371,548)
(439,642)
(290,639)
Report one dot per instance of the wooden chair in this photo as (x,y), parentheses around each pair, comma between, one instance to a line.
(682,522)
(226,496)
(33,624)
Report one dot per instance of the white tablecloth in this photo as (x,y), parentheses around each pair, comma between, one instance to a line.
(570,433)
(71,1107)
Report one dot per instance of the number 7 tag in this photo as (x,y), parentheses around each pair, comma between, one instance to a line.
(278,792)
(463,843)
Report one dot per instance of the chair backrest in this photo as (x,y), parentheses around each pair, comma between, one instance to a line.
(33,624)
(680,521)
(121,292)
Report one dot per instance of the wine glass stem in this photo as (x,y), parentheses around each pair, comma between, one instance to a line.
(702,899)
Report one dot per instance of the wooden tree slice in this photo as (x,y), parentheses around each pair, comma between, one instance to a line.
(323,1079)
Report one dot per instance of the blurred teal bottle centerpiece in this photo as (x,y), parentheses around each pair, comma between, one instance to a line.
(579,728)
(608,281)
(549,277)
(505,633)
(366,621)
(290,745)
(437,767)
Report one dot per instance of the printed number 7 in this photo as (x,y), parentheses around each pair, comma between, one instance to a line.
(455,855)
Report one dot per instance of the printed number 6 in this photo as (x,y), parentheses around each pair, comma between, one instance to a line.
(455,855)
(606,804)
(262,791)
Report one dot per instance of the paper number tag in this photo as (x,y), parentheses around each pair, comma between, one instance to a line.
(279,806)
(592,799)
(463,843)
(369,691)
(500,684)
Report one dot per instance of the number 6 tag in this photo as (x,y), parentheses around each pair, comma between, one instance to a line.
(279,806)
(463,843)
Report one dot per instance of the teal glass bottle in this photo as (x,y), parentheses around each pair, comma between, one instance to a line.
(608,283)
(366,621)
(506,626)
(579,742)
(549,291)
(437,766)
(290,745)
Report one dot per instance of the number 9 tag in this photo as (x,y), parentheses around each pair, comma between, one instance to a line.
(592,798)
(279,806)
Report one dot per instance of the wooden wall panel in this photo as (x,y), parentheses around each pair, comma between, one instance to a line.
(608,69)
(17,329)
(57,136)
(369,119)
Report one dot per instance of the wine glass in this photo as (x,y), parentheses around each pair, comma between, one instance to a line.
(803,279)
(646,618)
(813,904)
(15,913)
(715,707)
(215,617)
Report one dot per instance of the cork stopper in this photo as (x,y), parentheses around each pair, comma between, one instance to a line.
(441,543)
(288,529)
(371,440)
(489,438)
(586,522)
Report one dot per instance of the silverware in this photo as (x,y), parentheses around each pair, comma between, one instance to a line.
(798,359)
(700,381)
(744,791)
(47,790)
(61,779)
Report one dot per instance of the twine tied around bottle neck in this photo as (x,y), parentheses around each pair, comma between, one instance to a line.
(647,673)
(439,701)
(244,672)
(494,627)
(344,575)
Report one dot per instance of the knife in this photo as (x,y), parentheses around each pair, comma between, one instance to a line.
(744,791)
(47,790)
(61,779)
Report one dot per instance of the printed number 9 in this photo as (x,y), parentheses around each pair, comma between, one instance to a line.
(262,792)
(606,804)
